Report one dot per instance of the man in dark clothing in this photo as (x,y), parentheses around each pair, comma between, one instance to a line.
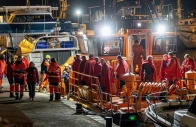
(32,79)
(148,71)
(81,69)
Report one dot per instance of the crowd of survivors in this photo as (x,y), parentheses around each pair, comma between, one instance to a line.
(21,73)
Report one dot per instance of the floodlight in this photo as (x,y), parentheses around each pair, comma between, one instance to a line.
(161,29)
(139,24)
(106,30)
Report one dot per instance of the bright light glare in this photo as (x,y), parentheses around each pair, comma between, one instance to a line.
(78,12)
(106,30)
(161,29)
(139,24)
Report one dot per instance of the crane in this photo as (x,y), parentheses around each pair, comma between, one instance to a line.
(63,9)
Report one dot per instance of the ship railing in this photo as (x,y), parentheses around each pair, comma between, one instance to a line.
(155,98)
(71,37)
(16,8)
(90,94)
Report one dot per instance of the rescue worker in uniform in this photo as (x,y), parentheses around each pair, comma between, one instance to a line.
(2,71)
(19,72)
(89,69)
(172,69)
(105,76)
(54,77)
(138,54)
(121,69)
(10,76)
(26,62)
(44,70)
(188,64)
(148,71)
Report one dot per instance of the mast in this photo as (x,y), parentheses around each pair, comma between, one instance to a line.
(27,3)
(179,10)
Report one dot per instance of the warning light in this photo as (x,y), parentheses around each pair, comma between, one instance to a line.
(132,117)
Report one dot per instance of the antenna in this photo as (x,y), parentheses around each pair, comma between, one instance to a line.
(27,3)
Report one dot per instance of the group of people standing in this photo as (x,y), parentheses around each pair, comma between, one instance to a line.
(99,68)
(21,72)
(170,68)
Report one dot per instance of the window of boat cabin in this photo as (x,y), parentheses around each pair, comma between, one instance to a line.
(162,45)
(110,46)
(30,18)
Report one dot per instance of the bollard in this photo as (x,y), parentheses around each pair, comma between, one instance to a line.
(79,109)
(109,121)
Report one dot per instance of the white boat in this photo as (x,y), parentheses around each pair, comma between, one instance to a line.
(30,20)
(173,113)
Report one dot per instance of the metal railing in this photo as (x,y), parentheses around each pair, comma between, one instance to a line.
(94,90)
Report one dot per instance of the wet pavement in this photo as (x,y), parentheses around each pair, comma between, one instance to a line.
(50,114)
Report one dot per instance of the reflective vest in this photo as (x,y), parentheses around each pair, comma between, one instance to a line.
(54,73)
(19,70)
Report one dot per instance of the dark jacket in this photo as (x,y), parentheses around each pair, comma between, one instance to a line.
(44,67)
(32,74)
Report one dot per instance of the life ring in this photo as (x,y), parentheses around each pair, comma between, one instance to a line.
(54,43)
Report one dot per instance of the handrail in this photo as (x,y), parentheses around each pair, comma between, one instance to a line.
(97,90)
(85,75)
(57,36)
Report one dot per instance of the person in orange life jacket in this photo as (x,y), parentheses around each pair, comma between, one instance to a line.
(188,64)
(148,71)
(97,68)
(19,72)
(54,77)
(44,69)
(32,79)
(26,62)
(10,76)
(2,70)
(121,69)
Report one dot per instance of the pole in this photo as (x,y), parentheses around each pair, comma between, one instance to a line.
(179,10)
(78,19)
(104,8)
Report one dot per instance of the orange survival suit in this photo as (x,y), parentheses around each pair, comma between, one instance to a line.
(54,77)
(44,70)
(19,77)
